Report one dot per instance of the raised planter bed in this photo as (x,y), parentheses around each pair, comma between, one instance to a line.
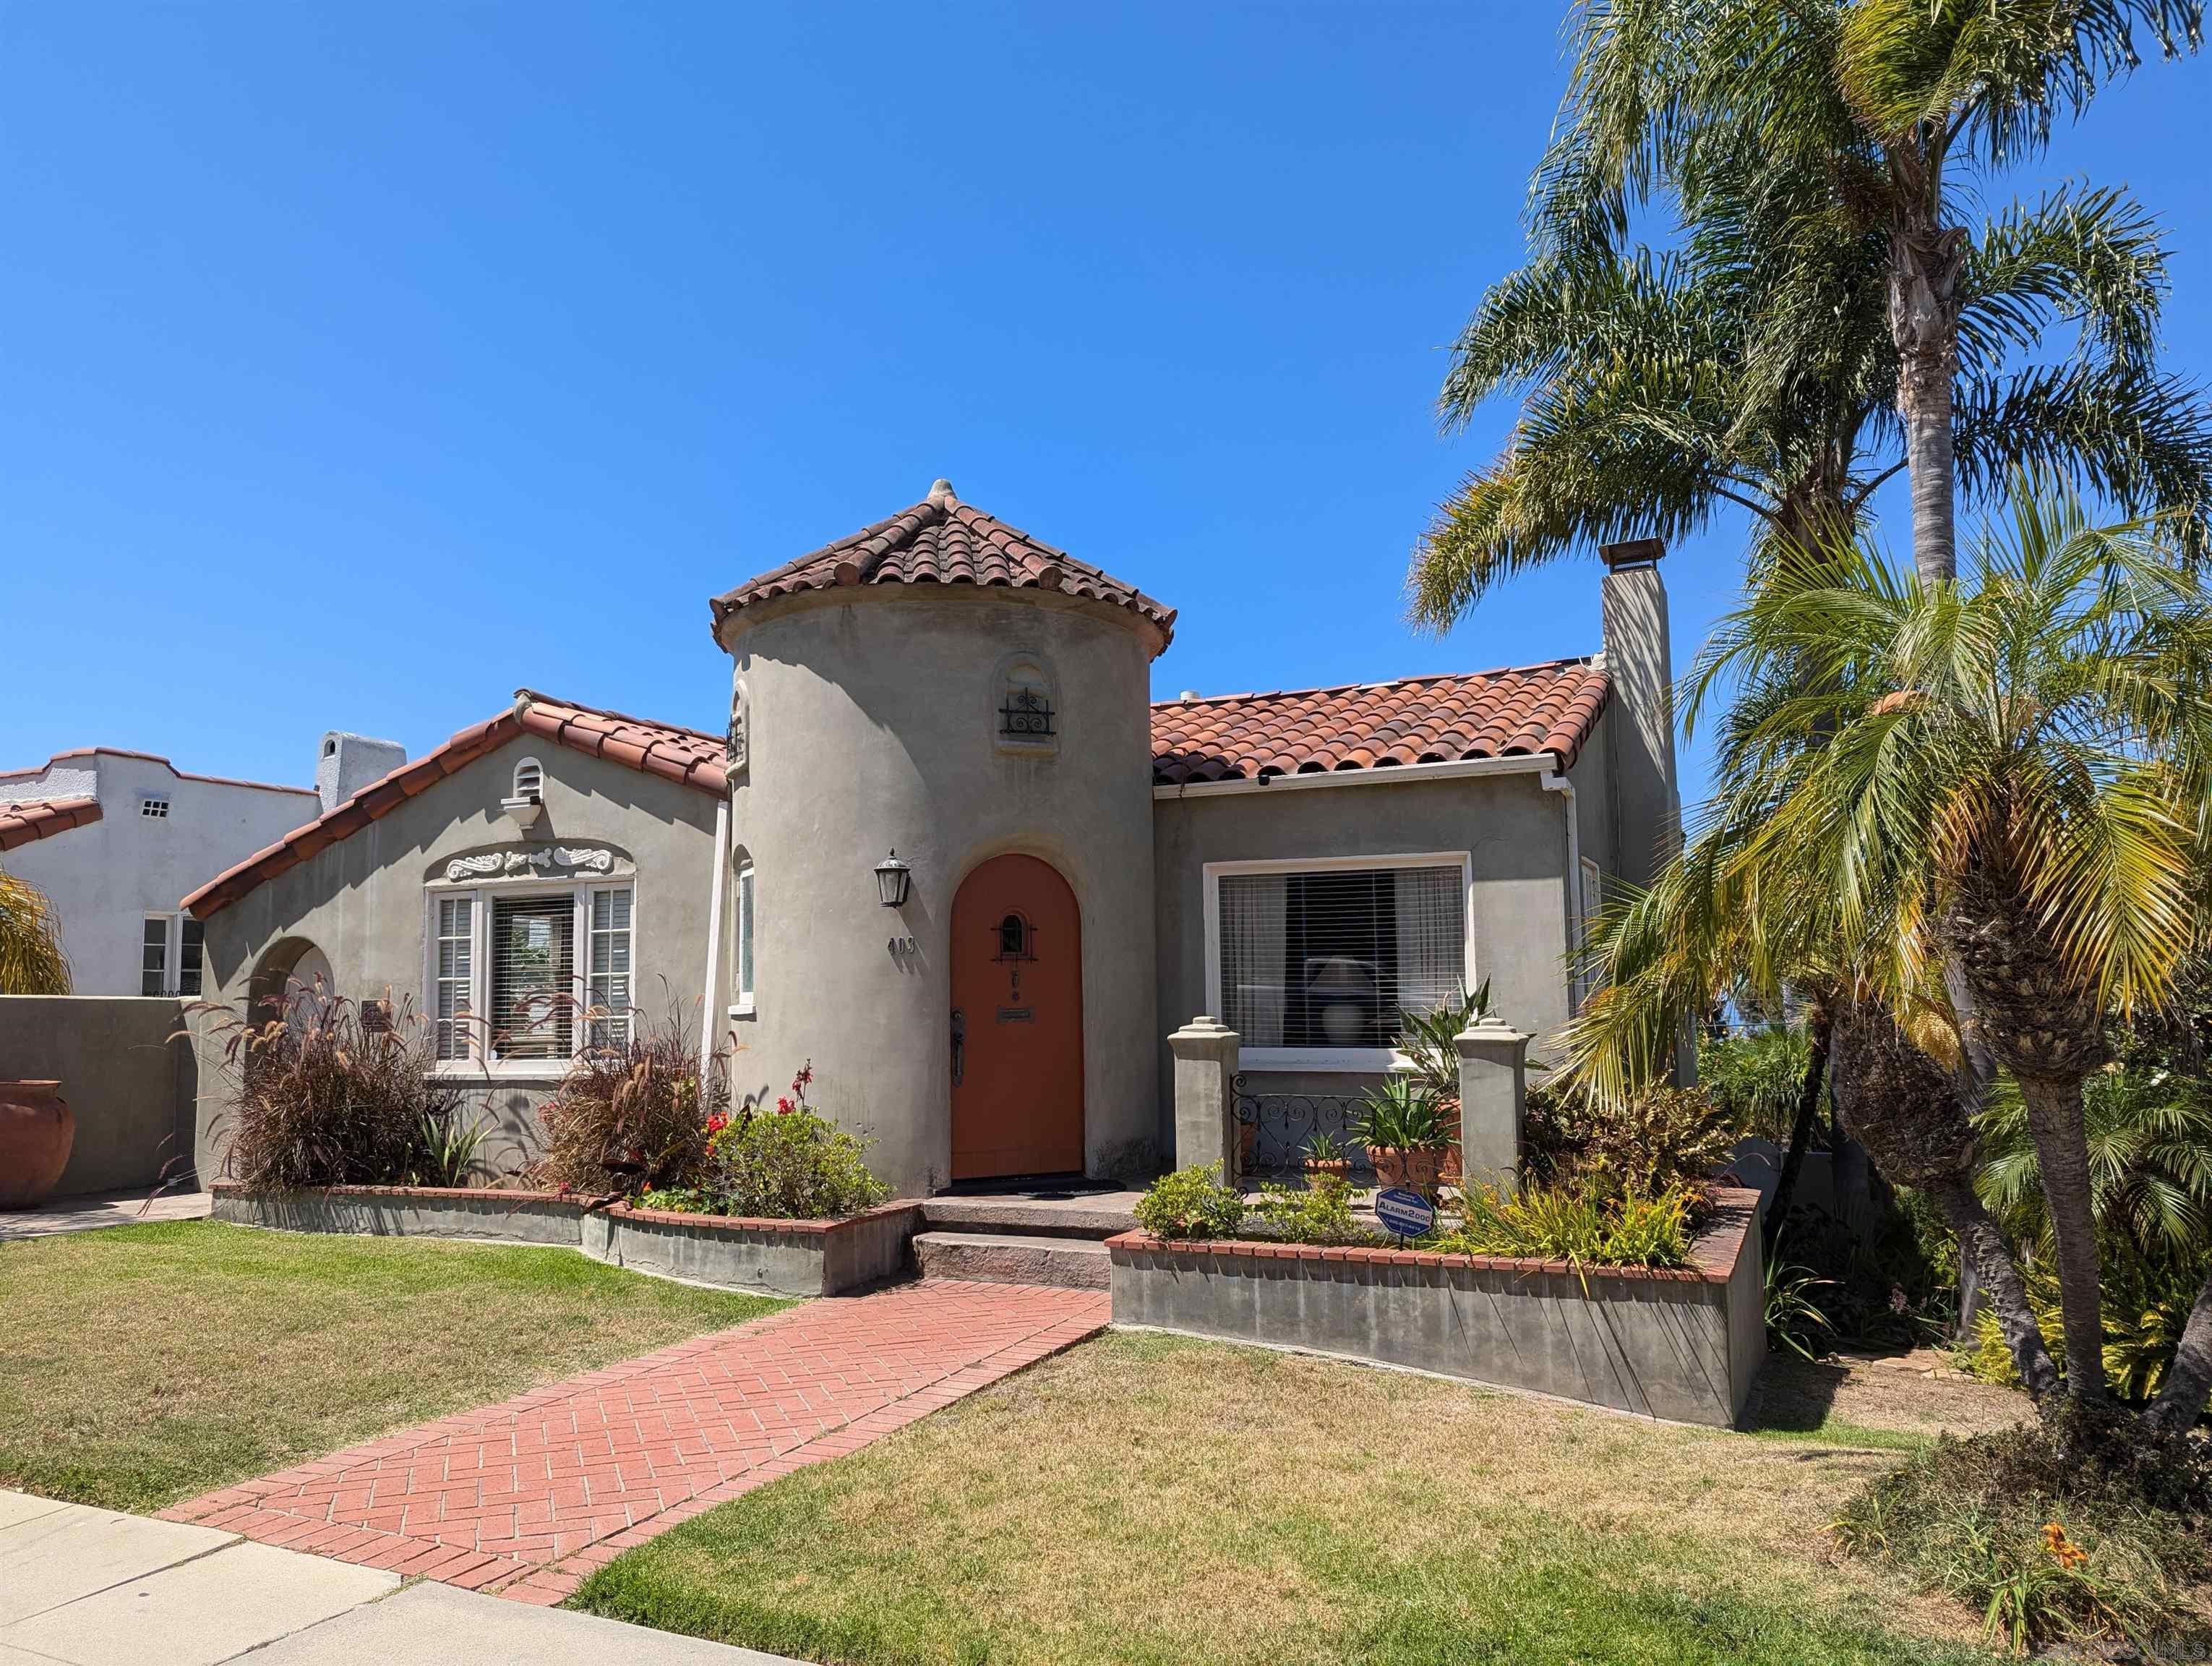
(789,1257)
(1679,1344)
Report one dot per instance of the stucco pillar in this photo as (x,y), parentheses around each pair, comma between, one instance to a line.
(1493,1058)
(1206,1064)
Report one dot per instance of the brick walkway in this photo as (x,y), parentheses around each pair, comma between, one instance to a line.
(526,1497)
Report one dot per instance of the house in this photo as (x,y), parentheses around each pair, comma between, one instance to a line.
(946,849)
(115,838)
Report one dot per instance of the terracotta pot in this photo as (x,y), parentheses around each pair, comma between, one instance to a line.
(36,1133)
(1421,1169)
(1338,1167)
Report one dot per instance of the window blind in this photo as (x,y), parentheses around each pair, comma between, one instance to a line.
(608,960)
(1332,957)
(533,969)
(456,966)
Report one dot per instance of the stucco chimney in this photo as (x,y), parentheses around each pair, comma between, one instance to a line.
(1640,736)
(345,764)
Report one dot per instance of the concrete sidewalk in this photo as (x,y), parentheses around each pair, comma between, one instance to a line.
(85,1587)
(95,1210)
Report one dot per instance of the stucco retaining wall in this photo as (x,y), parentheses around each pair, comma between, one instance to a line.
(130,1084)
(1681,1345)
(789,1257)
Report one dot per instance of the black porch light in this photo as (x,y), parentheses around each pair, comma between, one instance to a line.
(891,878)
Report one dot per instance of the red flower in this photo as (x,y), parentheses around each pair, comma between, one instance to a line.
(783,1107)
(717,1123)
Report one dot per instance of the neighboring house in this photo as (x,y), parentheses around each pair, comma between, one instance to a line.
(947,851)
(115,838)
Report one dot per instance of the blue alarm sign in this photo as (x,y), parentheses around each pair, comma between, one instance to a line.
(1404,1211)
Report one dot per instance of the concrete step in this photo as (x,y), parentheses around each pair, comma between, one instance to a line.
(1096,1215)
(1013,1258)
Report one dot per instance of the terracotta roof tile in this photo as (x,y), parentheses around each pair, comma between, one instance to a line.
(689,757)
(22,820)
(942,540)
(1513,713)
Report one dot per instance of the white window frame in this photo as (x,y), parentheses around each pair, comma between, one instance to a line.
(745,919)
(169,957)
(1589,902)
(1366,1061)
(483,893)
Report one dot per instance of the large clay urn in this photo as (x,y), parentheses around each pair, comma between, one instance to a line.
(36,1131)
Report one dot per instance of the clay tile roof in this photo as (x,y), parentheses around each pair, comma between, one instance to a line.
(24,819)
(689,757)
(1513,713)
(941,540)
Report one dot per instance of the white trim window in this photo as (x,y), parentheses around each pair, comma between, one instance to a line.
(741,979)
(1590,909)
(513,968)
(452,975)
(1314,963)
(171,948)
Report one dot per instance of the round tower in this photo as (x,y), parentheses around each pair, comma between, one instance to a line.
(941,861)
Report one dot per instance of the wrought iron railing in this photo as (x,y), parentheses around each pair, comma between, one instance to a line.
(1275,1132)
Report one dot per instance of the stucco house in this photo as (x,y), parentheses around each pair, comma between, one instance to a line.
(115,838)
(946,848)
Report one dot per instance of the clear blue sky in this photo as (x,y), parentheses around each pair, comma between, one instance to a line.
(363,363)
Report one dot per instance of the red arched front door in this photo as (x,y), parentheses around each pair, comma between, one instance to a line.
(1017,1022)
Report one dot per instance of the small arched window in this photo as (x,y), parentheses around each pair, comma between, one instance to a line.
(1026,708)
(1016,939)
(529,782)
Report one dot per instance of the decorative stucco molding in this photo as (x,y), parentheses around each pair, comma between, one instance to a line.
(543,858)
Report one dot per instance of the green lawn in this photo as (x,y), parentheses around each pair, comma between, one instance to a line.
(143,1365)
(1147,1499)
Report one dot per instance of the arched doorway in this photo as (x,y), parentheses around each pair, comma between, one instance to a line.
(1017,1022)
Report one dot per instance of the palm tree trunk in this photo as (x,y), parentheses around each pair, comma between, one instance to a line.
(2062,1152)
(1985,1247)
(1817,1028)
(1925,261)
(2188,1385)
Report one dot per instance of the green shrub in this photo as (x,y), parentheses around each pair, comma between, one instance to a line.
(1191,1203)
(1319,1213)
(1794,1319)
(329,1091)
(1662,1139)
(2049,1542)
(1755,1080)
(1585,1227)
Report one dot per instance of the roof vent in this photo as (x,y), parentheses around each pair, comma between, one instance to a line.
(1190,694)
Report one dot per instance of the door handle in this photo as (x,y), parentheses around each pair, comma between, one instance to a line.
(959,1045)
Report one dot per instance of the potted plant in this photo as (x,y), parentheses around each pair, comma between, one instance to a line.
(1430,1043)
(1403,1126)
(37,1128)
(1325,1157)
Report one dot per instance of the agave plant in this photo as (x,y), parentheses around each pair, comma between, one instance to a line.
(1429,1040)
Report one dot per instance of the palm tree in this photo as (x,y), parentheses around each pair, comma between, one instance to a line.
(2007,777)
(1822,130)
(1715,922)
(31,958)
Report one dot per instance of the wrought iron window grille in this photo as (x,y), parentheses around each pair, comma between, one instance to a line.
(1027,716)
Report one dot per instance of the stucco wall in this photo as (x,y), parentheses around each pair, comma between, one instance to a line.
(129,1085)
(1515,831)
(872,725)
(105,879)
(361,903)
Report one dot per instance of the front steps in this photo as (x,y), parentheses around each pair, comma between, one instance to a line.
(1052,1238)
(1014,1258)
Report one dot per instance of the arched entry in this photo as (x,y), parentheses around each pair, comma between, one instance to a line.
(1017,1022)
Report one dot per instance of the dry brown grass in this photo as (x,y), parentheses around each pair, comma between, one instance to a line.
(1147,1497)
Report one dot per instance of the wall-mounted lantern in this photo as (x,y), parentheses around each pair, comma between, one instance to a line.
(891,878)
